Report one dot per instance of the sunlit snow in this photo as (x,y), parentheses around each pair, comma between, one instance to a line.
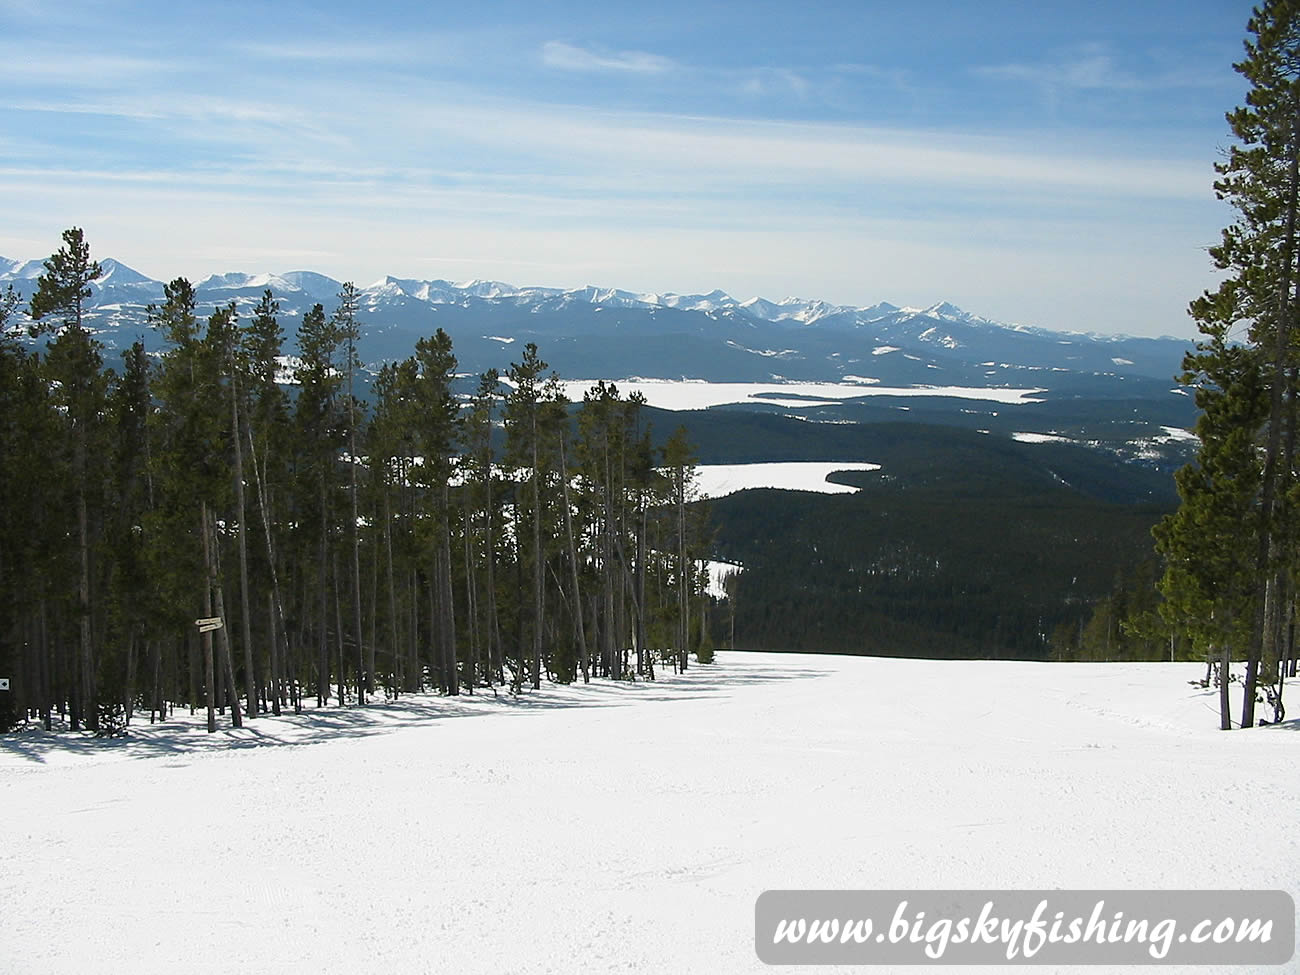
(719,480)
(700,395)
(623,827)
(1040,438)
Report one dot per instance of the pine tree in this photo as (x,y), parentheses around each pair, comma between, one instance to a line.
(192,475)
(268,445)
(679,464)
(348,329)
(317,442)
(523,443)
(436,432)
(483,500)
(1261,179)
(74,363)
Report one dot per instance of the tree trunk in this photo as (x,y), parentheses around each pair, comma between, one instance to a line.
(246,615)
(1273,490)
(471,601)
(394,631)
(573,566)
(223,632)
(279,636)
(1225,708)
(338,628)
(448,598)
(322,581)
(683,575)
(90,705)
(363,677)
(537,562)
(228,661)
(495,661)
(209,671)
(277,684)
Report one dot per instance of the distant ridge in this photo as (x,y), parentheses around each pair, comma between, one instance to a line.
(614,333)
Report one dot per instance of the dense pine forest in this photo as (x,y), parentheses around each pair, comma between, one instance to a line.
(228,528)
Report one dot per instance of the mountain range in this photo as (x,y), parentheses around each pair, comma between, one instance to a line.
(610,333)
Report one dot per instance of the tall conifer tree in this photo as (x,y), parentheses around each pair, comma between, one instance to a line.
(1260,178)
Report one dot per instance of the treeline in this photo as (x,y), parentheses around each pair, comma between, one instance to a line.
(1124,625)
(184,532)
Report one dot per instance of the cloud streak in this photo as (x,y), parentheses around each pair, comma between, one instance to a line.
(1091,68)
(567,57)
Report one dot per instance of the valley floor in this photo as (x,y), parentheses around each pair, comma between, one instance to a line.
(625,828)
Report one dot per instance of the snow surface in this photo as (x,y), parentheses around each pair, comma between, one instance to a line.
(625,827)
(691,394)
(719,480)
(1178,433)
(1040,438)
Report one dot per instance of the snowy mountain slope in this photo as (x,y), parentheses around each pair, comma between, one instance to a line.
(626,827)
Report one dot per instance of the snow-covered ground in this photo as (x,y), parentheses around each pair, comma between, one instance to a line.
(691,394)
(624,828)
(719,480)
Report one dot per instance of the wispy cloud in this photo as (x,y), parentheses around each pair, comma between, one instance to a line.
(1089,67)
(567,57)
(777,81)
(63,67)
(422,49)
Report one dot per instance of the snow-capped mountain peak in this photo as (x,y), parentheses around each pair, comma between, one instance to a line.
(117,273)
(20,270)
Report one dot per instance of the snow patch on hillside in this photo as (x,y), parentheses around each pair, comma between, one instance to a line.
(1040,438)
(719,480)
(690,394)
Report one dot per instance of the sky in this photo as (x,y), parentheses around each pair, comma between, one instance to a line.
(1037,163)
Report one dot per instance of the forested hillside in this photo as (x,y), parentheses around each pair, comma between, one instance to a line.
(962,545)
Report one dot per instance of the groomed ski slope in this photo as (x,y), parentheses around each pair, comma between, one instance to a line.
(625,828)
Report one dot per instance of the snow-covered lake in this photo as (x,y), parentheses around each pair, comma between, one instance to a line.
(690,394)
(719,480)
(624,828)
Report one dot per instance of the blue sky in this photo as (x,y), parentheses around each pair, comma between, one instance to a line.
(1045,163)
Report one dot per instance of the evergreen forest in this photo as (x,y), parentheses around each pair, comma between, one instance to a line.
(222,527)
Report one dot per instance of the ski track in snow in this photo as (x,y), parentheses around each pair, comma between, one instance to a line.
(624,828)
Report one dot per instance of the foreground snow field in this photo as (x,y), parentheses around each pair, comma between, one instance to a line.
(625,828)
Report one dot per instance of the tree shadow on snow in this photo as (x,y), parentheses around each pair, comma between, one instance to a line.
(185,734)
